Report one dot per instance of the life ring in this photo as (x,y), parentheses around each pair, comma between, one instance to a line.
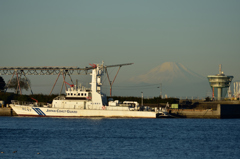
(89,98)
(103,107)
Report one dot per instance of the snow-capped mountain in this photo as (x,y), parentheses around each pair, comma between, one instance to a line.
(176,81)
(169,73)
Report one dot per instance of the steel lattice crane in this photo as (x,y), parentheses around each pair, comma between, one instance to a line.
(48,70)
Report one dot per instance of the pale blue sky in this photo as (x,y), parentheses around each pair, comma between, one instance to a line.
(199,34)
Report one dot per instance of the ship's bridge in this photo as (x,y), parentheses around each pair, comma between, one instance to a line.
(79,93)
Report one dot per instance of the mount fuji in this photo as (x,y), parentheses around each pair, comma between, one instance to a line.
(174,79)
(169,73)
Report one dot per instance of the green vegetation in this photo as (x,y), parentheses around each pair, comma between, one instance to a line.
(207,99)
(7,97)
(2,84)
(23,82)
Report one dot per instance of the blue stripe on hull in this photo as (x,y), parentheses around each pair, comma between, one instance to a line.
(39,111)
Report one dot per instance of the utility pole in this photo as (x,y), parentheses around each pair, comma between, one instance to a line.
(160,90)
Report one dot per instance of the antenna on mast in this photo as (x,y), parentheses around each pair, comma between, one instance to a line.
(220,68)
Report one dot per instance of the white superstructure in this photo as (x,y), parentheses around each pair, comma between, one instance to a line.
(85,102)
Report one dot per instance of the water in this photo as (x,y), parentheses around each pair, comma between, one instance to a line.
(71,138)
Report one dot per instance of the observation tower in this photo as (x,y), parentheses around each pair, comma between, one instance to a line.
(221,82)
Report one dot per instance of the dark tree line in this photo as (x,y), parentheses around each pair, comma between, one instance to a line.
(7,97)
(14,84)
(2,84)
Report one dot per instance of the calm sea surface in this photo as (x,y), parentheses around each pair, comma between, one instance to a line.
(72,138)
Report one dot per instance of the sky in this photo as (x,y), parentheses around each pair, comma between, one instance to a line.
(198,34)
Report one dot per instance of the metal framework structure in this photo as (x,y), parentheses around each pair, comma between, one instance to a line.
(43,70)
(64,71)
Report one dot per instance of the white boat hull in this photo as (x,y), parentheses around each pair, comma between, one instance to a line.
(22,110)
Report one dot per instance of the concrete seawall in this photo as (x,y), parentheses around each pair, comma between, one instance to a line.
(7,112)
(194,113)
(223,111)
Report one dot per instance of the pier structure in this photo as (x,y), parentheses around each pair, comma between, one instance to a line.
(219,81)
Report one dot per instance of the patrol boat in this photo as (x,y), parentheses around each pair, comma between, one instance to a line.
(80,101)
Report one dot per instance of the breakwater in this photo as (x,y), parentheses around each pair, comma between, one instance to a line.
(222,111)
(7,111)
